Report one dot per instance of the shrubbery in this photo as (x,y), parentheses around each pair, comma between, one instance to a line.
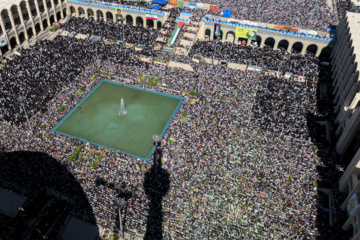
(61,108)
(76,152)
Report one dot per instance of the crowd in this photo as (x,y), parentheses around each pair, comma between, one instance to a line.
(242,165)
(266,57)
(302,14)
(46,69)
(110,30)
(346,5)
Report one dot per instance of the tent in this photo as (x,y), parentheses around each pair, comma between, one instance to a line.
(227,13)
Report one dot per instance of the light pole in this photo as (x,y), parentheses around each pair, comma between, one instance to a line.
(202,63)
(156,139)
(122,19)
(120,203)
(217,35)
(21,100)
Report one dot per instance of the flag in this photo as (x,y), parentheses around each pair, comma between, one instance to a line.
(151,16)
(176,32)
(218,28)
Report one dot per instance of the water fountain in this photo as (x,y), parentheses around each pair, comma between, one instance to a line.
(122,107)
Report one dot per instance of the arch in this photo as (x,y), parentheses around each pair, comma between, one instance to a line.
(149,23)
(5,49)
(297,47)
(90,12)
(21,37)
(13,42)
(6,19)
(312,49)
(207,33)
(230,36)
(56,2)
(129,19)
(58,15)
(139,21)
(37,28)
(109,17)
(41,6)
(45,23)
(33,9)
(242,41)
(24,11)
(258,40)
(64,12)
(72,10)
(270,42)
(52,20)
(99,14)
(159,24)
(48,4)
(30,32)
(283,44)
(15,13)
(81,11)
(325,53)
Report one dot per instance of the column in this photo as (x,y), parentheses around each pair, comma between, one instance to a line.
(30,17)
(14,27)
(61,10)
(54,7)
(5,32)
(39,14)
(22,22)
(47,12)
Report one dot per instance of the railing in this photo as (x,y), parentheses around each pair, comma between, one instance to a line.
(217,20)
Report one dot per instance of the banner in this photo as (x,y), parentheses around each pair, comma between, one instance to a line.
(118,14)
(352,204)
(248,33)
(3,41)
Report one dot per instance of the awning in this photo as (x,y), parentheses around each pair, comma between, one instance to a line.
(227,13)
(161,2)
(155,7)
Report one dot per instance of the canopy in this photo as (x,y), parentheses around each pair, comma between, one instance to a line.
(227,13)
(162,2)
(155,7)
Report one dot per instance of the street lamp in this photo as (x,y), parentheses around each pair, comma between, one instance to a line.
(122,19)
(217,35)
(156,139)
(120,203)
(21,100)
(202,62)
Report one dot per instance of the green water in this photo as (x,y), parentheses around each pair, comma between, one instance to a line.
(97,118)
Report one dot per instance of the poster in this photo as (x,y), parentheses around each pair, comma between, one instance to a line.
(118,14)
(3,41)
(248,33)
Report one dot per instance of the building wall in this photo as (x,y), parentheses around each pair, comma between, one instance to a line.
(345,75)
(18,23)
(229,35)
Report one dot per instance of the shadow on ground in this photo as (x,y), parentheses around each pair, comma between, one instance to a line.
(156,185)
(52,192)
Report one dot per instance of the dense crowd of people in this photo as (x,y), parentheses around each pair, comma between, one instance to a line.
(242,165)
(46,69)
(266,57)
(110,30)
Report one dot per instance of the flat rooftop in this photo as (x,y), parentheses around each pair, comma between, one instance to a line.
(10,202)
